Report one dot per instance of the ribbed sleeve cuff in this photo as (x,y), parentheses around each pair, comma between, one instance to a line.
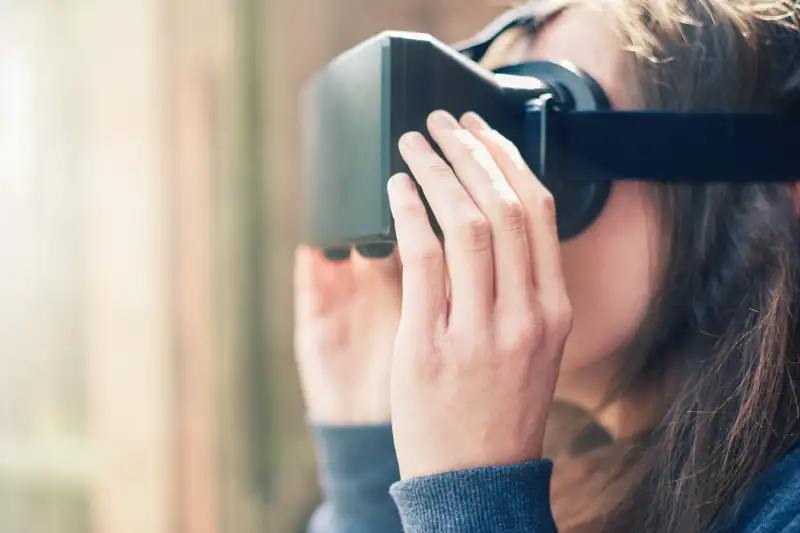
(362,456)
(357,466)
(508,499)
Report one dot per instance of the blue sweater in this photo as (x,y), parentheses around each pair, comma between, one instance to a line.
(358,466)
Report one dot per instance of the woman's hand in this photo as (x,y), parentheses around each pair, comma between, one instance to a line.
(475,364)
(346,316)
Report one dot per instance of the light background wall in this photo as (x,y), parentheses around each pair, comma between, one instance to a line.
(148,213)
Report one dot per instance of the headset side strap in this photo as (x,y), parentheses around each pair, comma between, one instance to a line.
(688,147)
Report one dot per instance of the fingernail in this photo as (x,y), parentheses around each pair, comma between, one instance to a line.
(474,121)
(414,140)
(444,120)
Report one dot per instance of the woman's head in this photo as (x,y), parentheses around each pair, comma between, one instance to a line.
(685,297)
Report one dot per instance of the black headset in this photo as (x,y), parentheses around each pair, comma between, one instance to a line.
(606,145)
(578,146)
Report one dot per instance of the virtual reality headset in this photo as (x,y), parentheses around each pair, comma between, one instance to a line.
(356,109)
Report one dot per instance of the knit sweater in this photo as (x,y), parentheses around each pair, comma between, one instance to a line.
(364,494)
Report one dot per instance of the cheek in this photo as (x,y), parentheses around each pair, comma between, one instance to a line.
(610,272)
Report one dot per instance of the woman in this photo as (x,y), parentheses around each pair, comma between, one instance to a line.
(660,346)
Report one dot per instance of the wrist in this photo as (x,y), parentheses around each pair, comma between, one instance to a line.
(342,412)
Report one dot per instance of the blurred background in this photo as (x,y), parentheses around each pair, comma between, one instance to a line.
(148,213)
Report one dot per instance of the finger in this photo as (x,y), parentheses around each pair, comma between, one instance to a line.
(486,185)
(424,301)
(375,251)
(305,273)
(318,282)
(467,239)
(337,254)
(548,276)
(382,267)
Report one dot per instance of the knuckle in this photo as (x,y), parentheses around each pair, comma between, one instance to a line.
(427,253)
(511,213)
(546,203)
(513,151)
(522,335)
(505,143)
(466,142)
(510,149)
(562,319)
(476,150)
(410,207)
(559,316)
(439,169)
(474,232)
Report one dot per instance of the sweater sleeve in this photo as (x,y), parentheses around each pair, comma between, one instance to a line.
(363,494)
(507,499)
(357,466)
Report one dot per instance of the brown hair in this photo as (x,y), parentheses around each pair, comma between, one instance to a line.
(720,342)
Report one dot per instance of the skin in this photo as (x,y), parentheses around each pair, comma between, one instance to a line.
(346,316)
(474,369)
(609,299)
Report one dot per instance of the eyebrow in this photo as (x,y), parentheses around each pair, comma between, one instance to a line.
(501,50)
(530,17)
